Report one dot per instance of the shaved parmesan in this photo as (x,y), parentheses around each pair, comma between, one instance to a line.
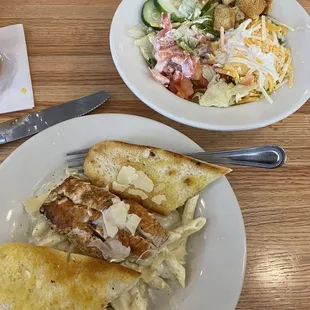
(115,200)
(159,187)
(109,229)
(33,204)
(130,176)
(112,249)
(133,221)
(127,206)
(137,192)
(119,187)
(114,218)
(126,175)
(159,199)
(143,182)
(146,153)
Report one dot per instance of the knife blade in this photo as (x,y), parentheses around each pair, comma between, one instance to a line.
(35,122)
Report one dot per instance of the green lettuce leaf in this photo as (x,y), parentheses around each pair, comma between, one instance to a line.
(139,31)
(146,46)
(218,94)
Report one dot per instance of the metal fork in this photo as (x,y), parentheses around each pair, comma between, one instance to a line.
(268,157)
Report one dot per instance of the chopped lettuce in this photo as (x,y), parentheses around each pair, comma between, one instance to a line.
(185,38)
(208,13)
(173,35)
(185,47)
(240,91)
(202,20)
(196,97)
(146,46)
(218,94)
(176,19)
(208,9)
(191,9)
(139,31)
(221,94)
(208,73)
(243,90)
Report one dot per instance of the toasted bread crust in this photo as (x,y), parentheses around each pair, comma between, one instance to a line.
(40,278)
(182,176)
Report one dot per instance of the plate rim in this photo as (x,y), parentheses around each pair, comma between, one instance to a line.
(33,138)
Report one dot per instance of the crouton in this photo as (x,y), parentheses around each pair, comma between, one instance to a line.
(224,17)
(269,7)
(252,8)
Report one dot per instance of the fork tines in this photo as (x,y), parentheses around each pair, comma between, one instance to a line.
(79,152)
(75,159)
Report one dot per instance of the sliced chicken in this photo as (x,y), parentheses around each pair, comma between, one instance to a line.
(149,227)
(75,208)
(83,192)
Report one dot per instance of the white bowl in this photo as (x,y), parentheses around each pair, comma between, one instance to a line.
(134,72)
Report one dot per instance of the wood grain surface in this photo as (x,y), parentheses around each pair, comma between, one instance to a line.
(68,45)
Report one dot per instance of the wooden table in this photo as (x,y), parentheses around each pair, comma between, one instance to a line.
(68,45)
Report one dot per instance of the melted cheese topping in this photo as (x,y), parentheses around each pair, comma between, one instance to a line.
(119,187)
(34,204)
(143,182)
(137,192)
(159,199)
(115,218)
(130,176)
(126,175)
(132,223)
(112,249)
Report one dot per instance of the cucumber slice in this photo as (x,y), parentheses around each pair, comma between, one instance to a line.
(169,6)
(176,19)
(150,15)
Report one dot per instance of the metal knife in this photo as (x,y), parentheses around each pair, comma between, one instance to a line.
(35,122)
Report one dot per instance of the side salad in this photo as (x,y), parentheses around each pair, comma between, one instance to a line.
(215,53)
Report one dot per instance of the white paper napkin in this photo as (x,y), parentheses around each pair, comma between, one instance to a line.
(17,94)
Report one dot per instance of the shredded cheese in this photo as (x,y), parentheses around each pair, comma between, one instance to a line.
(266,95)
(254,49)
(222,37)
(275,21)
(264,33)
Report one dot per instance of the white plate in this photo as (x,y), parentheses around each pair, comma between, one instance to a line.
(216,260)
(135,74)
